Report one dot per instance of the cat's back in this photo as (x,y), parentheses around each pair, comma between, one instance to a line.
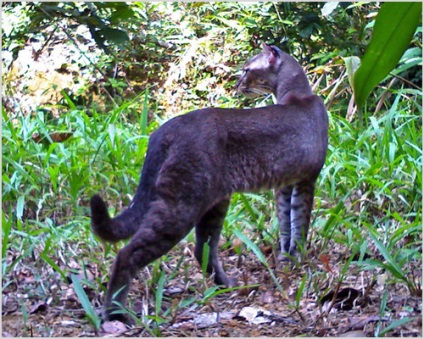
(300,116)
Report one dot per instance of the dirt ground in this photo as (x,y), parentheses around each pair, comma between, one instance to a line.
(36,301)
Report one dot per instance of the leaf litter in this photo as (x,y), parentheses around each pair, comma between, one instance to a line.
(38,302)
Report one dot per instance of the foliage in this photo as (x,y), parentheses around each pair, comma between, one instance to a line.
(101,18)
(180,41)
(181,56)
(394,27)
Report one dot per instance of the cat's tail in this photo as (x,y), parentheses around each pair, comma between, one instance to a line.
(106,228)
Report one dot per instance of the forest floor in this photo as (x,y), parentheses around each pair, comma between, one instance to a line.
(38,302)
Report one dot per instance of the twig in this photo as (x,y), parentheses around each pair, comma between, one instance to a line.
(384,95)
(407,81)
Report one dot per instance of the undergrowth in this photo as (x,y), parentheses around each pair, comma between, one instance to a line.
(368,196)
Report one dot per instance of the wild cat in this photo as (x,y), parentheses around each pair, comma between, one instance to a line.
(194,163)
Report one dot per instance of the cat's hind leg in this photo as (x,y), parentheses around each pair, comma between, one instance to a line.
(208,230)
(163,226)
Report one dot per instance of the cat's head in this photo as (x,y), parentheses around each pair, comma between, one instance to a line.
(260,73)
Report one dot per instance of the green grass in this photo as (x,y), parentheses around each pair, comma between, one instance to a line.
(369,193)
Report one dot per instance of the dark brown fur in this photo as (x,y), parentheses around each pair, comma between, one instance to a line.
(196,161)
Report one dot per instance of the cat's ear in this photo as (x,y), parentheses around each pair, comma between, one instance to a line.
(271,53)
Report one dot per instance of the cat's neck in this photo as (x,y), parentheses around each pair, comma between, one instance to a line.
(293,81)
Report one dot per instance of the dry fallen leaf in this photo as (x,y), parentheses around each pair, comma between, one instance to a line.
(359,334)
(326,261)
(259,315)
(204,320)
(266,250)
(55,136)
(113,327)
(268,297)
(237,245)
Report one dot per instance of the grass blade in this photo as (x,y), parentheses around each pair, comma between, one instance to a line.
(159,293)
(391,265)
(255,249)
(6,227)
(88,308)
(205,258)
(144,114)
(394,324)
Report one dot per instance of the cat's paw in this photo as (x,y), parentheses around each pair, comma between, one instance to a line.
(288,259)
(231,282)
(224,281)
(285,257)
(123,318)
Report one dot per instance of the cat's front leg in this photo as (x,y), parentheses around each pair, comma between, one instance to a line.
(301,208)
(208,230)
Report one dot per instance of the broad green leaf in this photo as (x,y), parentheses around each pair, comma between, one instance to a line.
(20,170)
(394,27)
(117,36)
(124,13)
